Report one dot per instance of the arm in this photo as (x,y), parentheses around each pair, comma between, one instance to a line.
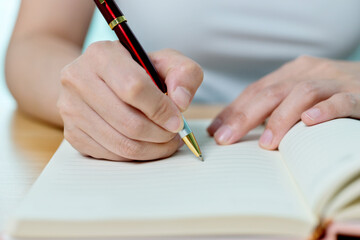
(106,102)
(43,42)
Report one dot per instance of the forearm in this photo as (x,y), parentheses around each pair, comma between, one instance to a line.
(33,66)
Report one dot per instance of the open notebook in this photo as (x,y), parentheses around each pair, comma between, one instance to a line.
(240,189)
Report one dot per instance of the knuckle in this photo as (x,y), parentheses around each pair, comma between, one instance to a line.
(330,69)
(186,65)
(68,75)
(277,120)
(327,66)
(196,70)
(99,54)
(168,137)
(273,91)
(133,87)
(351,101)
(137,128)
(161,110)
(130,149)
(338,105)
(305,59)
(308,88)
(97,48)
(72,75)
(330,106)
(241,117)
(191,68)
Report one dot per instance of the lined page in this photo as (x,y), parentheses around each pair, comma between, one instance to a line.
(235,180)
(322,157)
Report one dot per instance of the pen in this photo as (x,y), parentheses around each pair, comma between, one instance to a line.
(117,22)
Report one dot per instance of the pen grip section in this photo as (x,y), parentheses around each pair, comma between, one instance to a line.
(130,42)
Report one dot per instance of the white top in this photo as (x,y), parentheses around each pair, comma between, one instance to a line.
(238,42)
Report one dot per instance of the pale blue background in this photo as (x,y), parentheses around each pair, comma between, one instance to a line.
(8,12)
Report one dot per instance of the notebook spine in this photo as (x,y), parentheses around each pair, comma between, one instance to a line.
(320,231)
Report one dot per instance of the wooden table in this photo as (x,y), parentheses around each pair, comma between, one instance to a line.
(27,145)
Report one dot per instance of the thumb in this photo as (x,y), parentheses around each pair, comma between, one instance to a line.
(182,75)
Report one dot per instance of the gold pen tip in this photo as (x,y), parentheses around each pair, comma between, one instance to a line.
(201,157)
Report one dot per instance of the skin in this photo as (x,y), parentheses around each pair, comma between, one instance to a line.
(39,49)
(310,89)
(107,104)
(110,109)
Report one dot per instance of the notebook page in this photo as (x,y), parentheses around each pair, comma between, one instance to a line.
(322,157)
(344,198)
(240,179)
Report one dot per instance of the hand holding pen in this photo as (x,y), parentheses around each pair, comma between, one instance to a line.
(118,22)
(112,110)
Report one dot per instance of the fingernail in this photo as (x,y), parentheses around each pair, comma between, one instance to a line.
(223,134)
(313,113)
(266,138)
(214,125)
(173,124)
(182,97)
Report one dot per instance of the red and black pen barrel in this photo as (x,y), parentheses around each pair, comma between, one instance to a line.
(116,20)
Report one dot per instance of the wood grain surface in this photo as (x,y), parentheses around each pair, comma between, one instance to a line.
(26,146)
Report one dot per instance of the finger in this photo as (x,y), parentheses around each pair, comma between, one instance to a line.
(337,106)
(182,75)
(292,70)
(122,117)
(264,87)
(243,99)
(88,146)
(119,144)
(238,119)
(304,95)
(133,85)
